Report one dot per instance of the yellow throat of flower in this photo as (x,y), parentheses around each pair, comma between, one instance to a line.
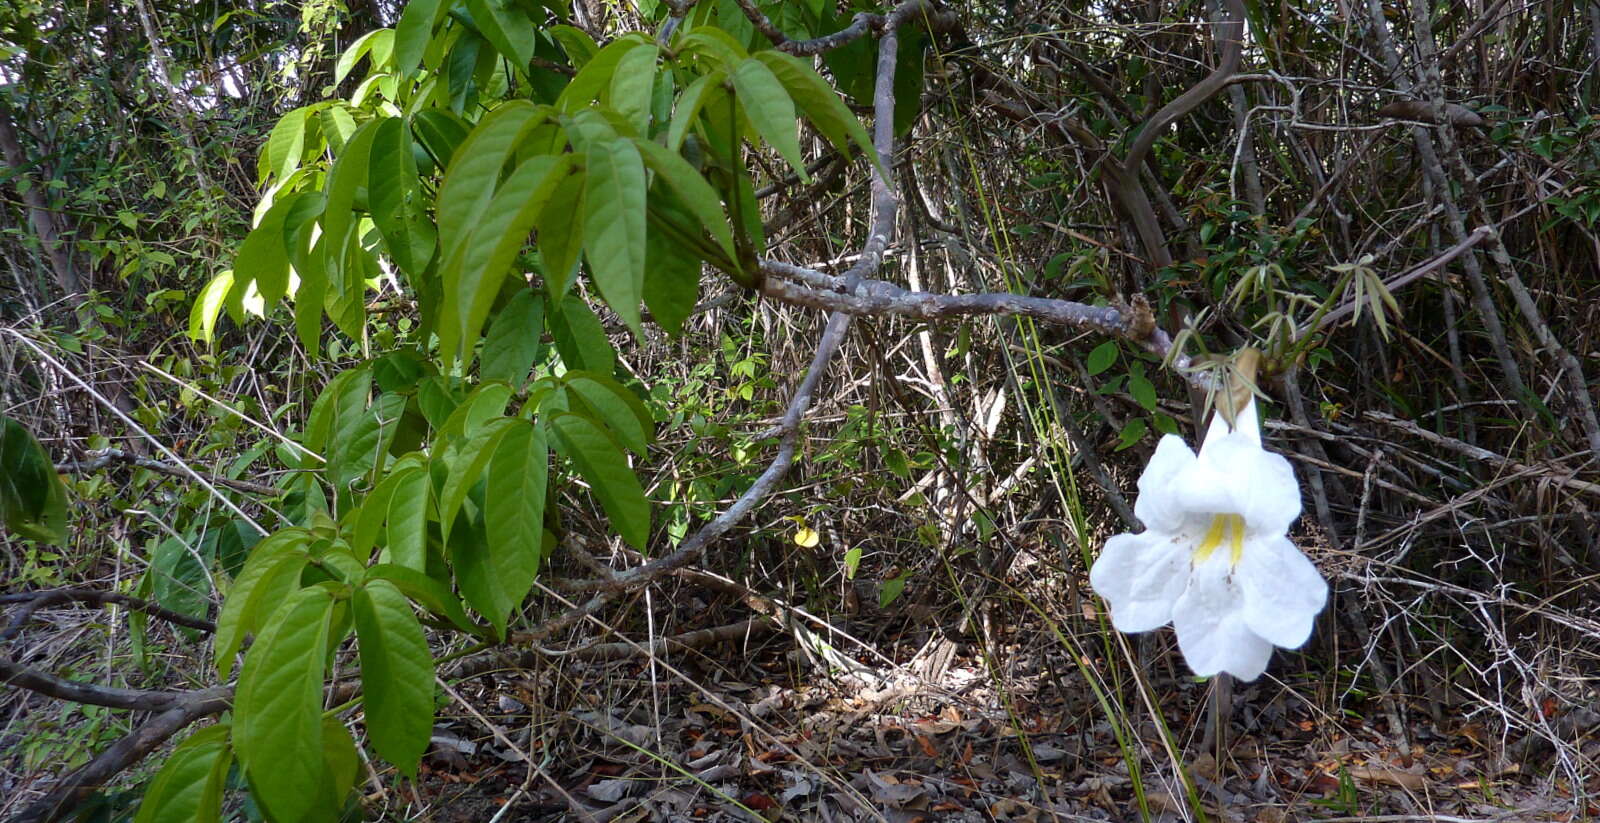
(1223,526)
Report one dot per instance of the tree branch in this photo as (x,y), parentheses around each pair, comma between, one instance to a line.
(34,601)
(100,458)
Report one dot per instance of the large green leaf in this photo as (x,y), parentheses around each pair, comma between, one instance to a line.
(278,710)
(203,315)
(580,339)
(33,503)
(412,33)
(263,258)
(474,171)
(672,277)
(408,519)
(692,190)
(270,574)
(766,102)
(507,28)
(343,400)
(560,236)
(474,274)
(396,674)
(513,342)
(514,498)
(378,42)
(189,786)
(466,464)
(395,194)
(597,73)
(358,444)
(632,85)
(601,462)
(614,225)
(180,580)
(819,100)
(622,413)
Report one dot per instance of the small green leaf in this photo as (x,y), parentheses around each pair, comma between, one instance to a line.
(598,72)
(891,589)
(561,236)
(466,464)
(622,413)
(506,28)
(286,143)
(396,674)
(1140,387)
(33,502)
(189,785)
(632,85)
(1103,356)
(852,562)
(514,500)
(1132,432)
(601,461)
(203,316)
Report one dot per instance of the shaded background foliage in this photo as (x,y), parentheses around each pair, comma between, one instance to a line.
(1446,442)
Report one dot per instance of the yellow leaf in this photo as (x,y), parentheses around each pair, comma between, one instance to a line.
(807,537)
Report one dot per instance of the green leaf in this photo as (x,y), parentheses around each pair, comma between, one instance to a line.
(278,709)
(378,41)
(413,32)
(286,143)
(395,194)
(597,73)
(687,110)
(818,99)
(474,171)
(203,316)
(473,276)
(576,42)
(614,225)
(189,785)
(33,502)
(485,404)
(622,413)
(407,513)
(340,762)
(1140,387)
(512,344)
(671,280)
(560,238)
(358,445)
(1132,432)
(766,102)
(440,132)
(602,463)
(514,507)
(693,190)
(396,674)
(891,589)
(466,464)
(270,574)
(507,29)
(179,579)
(632,84)
(263,259)
(1103,356)
(580,339)
(430,593)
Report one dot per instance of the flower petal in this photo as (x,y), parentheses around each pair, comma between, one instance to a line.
(1157,507)
(1140,575)
(1234,475)
(1282,591)
(1211,628)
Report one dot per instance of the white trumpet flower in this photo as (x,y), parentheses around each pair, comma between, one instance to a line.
(1214,559)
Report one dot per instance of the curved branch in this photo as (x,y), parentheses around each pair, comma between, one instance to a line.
(1232,33)
(34,601)
(75,788)
(13,673)
(100,458)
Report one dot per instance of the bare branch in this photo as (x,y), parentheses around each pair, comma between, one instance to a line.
(100,458)
(34,601)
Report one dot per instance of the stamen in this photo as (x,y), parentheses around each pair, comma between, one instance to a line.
(1213,538)
(1230,526)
